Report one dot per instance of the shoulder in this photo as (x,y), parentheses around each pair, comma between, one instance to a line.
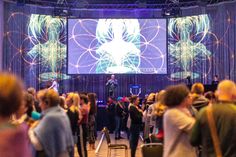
(172,111)
(175,114)
(132,107)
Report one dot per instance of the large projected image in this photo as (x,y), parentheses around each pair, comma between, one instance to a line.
(188,40)
(100,46)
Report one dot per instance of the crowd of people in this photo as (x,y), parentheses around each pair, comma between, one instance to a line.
(44,124)
(178,118)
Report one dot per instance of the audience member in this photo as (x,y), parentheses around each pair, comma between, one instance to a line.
(158,111)
(210,96)
(111,114)
(178,122)
(62,102)
(24,113)
(14,140)
(147,114)
(92,119)
(83,127)
(199,101)
(136,123)
(119,110)
(32,91)
(72,102)
(224,112)
(53,134)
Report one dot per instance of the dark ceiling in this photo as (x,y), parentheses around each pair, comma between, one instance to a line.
(119,3)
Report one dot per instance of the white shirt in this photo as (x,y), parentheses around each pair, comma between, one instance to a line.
(177,126)
(54,86)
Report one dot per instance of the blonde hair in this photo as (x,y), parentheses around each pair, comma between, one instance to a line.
(159,107)
(151,97)
(76,99)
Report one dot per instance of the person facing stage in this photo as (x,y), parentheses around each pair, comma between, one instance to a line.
(111,85)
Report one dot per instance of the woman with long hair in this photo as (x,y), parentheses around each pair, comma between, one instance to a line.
(136,115)
(92,119)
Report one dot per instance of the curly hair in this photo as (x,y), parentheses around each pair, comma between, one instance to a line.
(175,95)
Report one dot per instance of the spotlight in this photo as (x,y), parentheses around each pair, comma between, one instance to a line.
(171,12)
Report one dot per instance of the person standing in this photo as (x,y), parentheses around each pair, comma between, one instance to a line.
(92,119)
(110,108)
(112,85)
(223,113)
(215,81)
(83,125)
(178,122)
(72,102)
(54,86)
(119,110)
(14,139)
(136,115)
(53,134)
(199,100)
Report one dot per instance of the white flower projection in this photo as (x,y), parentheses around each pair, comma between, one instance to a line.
(101,46)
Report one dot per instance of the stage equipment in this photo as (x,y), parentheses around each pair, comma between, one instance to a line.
(171,12)
(135,89)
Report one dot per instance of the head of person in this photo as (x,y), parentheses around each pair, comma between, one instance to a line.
(151,98)
(176,96)
(210,96)
(48,98)
(92,100)
(76,99)
(225,90)
(69,99)
(159,106)
(160,97)
(32,91)
(110,100)
(28,105)
(134,99)
(216,78)
(197,88)
(83,99)
(62,102)
(92,97)
(112,77)
(11,94)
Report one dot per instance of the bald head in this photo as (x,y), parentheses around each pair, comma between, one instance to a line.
(226,90)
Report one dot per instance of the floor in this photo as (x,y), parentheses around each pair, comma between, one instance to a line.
(115,153)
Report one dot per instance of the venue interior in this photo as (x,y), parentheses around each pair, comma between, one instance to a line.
(116,50)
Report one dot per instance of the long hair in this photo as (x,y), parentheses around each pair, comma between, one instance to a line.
(92,100)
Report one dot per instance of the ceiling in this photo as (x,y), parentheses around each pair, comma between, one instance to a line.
(117,3)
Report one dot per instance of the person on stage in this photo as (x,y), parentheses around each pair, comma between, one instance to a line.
(215,81)
(111,84)
(55,85)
